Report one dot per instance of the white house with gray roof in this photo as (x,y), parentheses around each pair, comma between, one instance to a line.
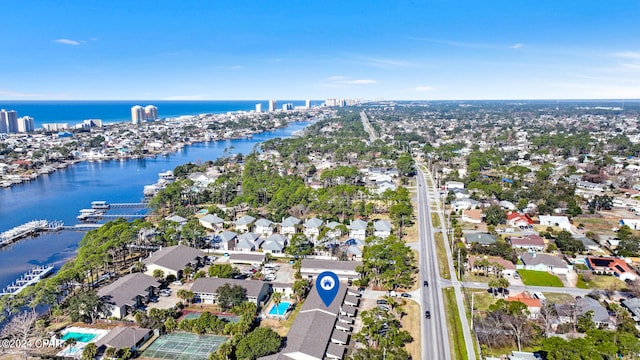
(172,260)
(334,229)
(382,228)
(312,228)
(123,337)
(274,244)
(205,289)
(358,229)
(289,226)
(127,294)
(345,270)
(248,242)
(212,222)
(264,227)
(244,223)
(543,262)
(226,240)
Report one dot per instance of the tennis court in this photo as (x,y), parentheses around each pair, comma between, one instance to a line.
(184,346)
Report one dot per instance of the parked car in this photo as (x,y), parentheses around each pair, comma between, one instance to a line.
(177,282)
(381,302)
(427,314)
(425,283)
(405,295)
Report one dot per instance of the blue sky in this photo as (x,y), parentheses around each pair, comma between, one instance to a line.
(297,49)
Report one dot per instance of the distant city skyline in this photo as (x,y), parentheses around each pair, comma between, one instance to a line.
(255,49)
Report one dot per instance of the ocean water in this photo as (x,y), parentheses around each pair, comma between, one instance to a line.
(74,112)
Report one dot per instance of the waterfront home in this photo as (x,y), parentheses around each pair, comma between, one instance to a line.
(274,244)
(530,243)
(173,259)
(358,229)
(382,228)
(345,270)
(289,226)
(312,228)
(613,266)
(244,223)
(212,222)
(204,289)
(127,294)
(544,262)
(264,227)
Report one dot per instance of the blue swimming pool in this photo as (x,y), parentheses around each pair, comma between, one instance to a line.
(78,336)
(280,309)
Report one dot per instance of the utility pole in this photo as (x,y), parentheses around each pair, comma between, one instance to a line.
(472,298)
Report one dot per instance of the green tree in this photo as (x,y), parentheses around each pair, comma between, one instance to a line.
(230,296)
(389,263)
(223,271)
(90,351)
(405,165)
(260,342)
(494,215)
(158,274)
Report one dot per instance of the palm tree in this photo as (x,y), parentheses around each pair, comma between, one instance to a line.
(277,299)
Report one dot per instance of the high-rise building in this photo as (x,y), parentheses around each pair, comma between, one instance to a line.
(258,108)
(307,104)
(272,105)
(287,106)
(137,114)
(26,124)
(150,113)
(8,121)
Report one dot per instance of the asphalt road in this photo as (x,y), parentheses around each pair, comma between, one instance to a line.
(435,341)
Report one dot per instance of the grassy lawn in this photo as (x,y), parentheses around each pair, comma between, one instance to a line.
(442,256)
(581,284)
(580,267)
(468,276)
(456,336)
(282,327)
(435,220)
(411,233)
(411,323)
(481,300)
(559,298)
(539,278)
(606,282)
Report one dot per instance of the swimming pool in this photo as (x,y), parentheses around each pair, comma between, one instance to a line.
(78,336)
(280,309)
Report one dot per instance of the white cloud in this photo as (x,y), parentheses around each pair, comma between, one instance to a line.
(627,55)
(67,42)
(21,95)
(184,97)
(423,88)
(516,46)
(344,80)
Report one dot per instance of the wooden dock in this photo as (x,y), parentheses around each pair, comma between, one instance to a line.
(29,229)
(29,278)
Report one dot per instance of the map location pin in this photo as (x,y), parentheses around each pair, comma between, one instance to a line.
(327,285)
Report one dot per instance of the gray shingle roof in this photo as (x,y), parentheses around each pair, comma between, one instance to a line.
(124,290)
(480,238)
(245,220)
(174,257)
(264,222)
(535,259)
(210,285)
(313,223)
(382,225)
(329,264)
(358,225)
(123,337)
(290,221)
(212,219)
(228,235)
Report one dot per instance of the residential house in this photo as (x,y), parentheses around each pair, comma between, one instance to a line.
(205,289)
(464,204)
(480,238)
(244,223)
(334,231)
(226,240)
(172,260)
(507,205)
(127,294)
(345,270)
(289,226)
(473,216)
(255,259)
(530,243)
(634,224)
(382,228)
(589,244)
(544,262)
(450,185)
(600,314)
(534,305)
(264,227)
(248,242)
(562,222)
(274,244)
(508,268)
(518,220)
(312,228)
(177,219)
(611,265)
(633,305)
(358,229)
(212,222)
